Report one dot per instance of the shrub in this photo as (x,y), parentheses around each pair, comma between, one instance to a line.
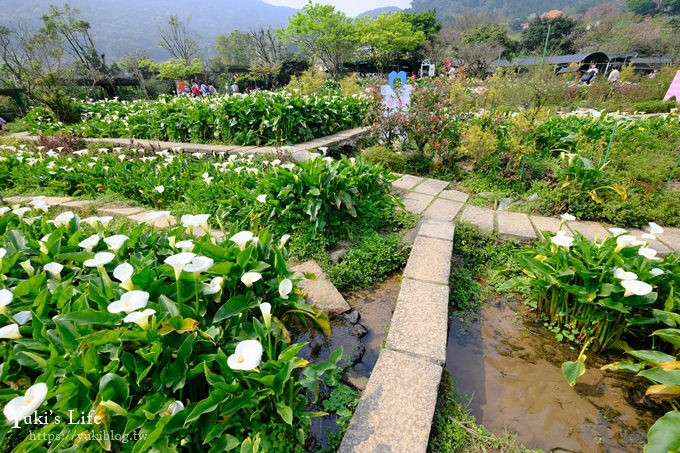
(655,106)
(386,157)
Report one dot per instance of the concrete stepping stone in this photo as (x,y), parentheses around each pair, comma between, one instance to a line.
(406,182)
(430,260)
(445,210)
(431,187)
(590,230)
(515,225)
(396,408)
(121,210)
(454,195)
(56,201)
(159,223)
(77,204)
(321,292)
(482,218)
(416,203)
(17,199)
(671,237)
(437,229)
(541,223)
(419,322)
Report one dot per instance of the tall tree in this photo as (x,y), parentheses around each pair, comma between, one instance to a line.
(268,52)
(387,37)
(482,44)
(176,39)
(235,49)
(323,34)
(562,38)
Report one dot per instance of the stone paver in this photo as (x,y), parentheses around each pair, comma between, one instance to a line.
(77,204)
(482,218)
(417,202)
(671,237)
(18,199)
(396,409)
(545,224)
(590,230)
(431,186)
(122,211)
(430,260)
(437,229)
(56,201)
(406,182)
(445,210)
(159,223)
(419,321)
(454,195)
(515,225)
(321,291)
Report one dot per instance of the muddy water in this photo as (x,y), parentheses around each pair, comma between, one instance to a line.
(509,365)
(375,306)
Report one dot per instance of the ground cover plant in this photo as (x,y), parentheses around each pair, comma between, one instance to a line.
(160,338)
(262,118)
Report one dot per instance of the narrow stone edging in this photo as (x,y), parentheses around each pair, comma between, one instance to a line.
(297,152)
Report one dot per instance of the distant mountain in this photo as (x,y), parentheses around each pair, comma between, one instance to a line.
(449,9)
(378,11)
(123,26)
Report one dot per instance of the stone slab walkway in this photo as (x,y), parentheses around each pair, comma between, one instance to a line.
(297,152)
(395,411)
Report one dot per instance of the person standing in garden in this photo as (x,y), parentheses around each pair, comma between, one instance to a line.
(195,89)
(614,75)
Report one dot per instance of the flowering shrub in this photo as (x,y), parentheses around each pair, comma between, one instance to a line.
(254,119)
(600,289)
(175,343)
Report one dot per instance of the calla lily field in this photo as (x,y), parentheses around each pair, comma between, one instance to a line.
(166,347)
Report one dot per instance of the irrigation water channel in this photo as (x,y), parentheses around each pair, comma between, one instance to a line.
(508,364)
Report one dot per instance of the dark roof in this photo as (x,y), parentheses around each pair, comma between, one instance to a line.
(653,60)
(557,60)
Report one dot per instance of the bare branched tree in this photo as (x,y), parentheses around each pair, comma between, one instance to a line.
(269,53)
(176,39)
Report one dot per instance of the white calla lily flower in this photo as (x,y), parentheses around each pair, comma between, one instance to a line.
(636,288)
(154,216)
(247,356)
(100,259)
(178,261)
(141,318)
(6,297)
(185,246)
(648,253)
(21,211)
(655,228)
(116,241)
(22,317)
(623,275)
(214,287)
(54,269)
(567,217)
(10,332)
(89,243)
(123,273)
(624,241)
(23,406)
(266,309)
(129,302)
(284,239)
(199,264)
(285,287)
(617,231)
(562,240)
(159,189)
(250,277)
(657,271)
(173,408)
(241,238)
(63,219)
(262,198)
(26,265)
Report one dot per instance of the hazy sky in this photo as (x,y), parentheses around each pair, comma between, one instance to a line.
(350,7)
